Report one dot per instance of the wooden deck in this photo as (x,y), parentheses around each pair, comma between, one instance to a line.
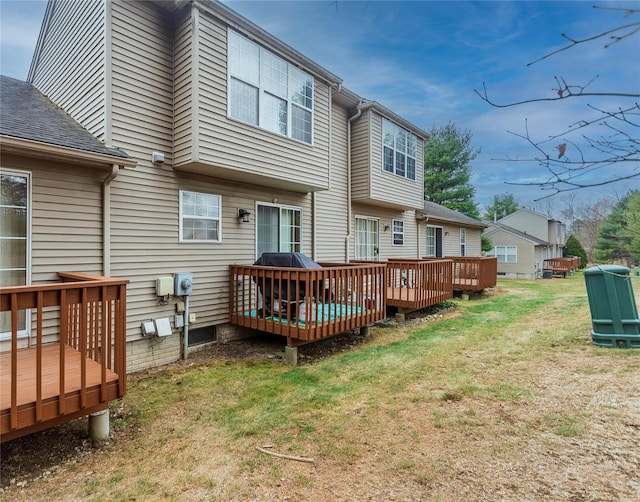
(307,304)
(417,284)
(74,359)
(472,274)
(562,265)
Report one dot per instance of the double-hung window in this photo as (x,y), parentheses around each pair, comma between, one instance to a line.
(398,150)
(266,91)
(398,232)
(200,217)
(505,254)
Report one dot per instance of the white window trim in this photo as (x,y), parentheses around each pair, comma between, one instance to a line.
(280,206)
(463,241)
(396,127)
(393,233)
(262,90)
(494,252)
(181,216)
(435,243)
(376,244)
(24,333)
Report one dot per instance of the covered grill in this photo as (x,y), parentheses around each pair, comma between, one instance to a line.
(281,296)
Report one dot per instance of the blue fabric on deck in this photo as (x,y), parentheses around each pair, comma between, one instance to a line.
(324,312)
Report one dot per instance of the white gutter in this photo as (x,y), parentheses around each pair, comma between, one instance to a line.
(347,238)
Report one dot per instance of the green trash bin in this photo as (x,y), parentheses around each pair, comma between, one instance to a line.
(614,315)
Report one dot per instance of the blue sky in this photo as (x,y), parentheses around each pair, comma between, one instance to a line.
(423,60)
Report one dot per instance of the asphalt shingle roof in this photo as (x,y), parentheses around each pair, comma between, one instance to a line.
(26,113)
(439,212)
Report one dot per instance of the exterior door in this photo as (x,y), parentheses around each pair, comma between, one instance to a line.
(434,242)
(15,243)
(279,229)
(367,239)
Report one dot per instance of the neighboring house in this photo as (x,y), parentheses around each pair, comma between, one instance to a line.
(220,118)
(55,176)
(523,240)
(448,232)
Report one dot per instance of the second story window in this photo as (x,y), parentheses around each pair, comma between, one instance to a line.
(266,91)
(398,150)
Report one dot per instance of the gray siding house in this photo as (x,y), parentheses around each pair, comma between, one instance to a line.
(218,119)
(523,240)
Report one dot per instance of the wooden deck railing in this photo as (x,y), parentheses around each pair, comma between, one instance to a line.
(474,273)
(74,361)
(416,284)
(561,265)
(306,304)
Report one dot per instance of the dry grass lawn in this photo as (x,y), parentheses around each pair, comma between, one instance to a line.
(503,398)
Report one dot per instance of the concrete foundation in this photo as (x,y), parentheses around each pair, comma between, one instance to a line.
(464,296)
(99,425)
(291,355)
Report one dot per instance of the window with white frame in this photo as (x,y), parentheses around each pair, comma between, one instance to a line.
(434,242)
(505,254)
(266,91)
(15,234)
(279,229)
(367,238)
(463,241)
(200,217)
(398,150)
(398,232)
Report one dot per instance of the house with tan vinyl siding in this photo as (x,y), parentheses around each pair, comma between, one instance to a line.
(220,116)
(448,232)
(523,240)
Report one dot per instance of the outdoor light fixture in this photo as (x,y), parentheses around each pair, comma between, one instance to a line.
(386,227)
(245,215)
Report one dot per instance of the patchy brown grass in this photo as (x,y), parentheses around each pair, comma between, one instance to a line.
(504,398)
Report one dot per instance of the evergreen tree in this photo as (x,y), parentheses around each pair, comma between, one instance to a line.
(612,241)
(632,225)
(502,205)
(447,173)
(574,248)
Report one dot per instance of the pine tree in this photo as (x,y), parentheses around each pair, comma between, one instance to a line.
(574,248)
(447,173)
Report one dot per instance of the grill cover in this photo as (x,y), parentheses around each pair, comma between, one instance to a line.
(281,298)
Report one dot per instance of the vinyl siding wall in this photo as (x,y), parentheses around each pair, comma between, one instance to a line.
(528,222)
(451,242)
(525,268)
(71,66)
(145,201)
(332,205)
(245,150)
(66,219)
(386,217)
(371,182)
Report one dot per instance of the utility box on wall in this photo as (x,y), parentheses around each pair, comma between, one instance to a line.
(183,283)
(614,314)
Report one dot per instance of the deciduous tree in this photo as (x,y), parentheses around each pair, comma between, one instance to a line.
(601,148)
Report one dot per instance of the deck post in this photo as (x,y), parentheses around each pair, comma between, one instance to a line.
(99,425)
(291,355)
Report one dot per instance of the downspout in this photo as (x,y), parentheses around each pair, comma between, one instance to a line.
(106,220)
(347,238)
